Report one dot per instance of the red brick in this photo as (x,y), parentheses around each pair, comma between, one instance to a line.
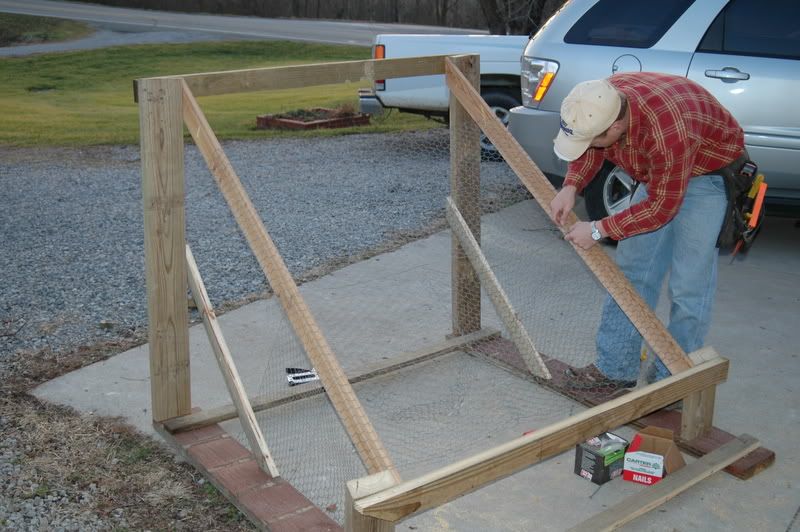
(239,477)
(216,453)
(270,503)
(311,520)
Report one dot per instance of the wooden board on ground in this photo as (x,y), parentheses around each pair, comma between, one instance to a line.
(652,497)
(504,353)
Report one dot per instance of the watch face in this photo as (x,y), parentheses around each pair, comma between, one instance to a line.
(595,232)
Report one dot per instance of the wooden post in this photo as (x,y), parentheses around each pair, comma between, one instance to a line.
(697,414)
(363,487)
(465,182)
(161,134)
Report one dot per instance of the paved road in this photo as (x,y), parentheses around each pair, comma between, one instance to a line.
(323,31)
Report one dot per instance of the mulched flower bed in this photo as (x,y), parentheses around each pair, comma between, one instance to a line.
(314,118)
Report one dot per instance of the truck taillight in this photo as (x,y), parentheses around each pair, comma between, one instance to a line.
(536,79)
(379,52)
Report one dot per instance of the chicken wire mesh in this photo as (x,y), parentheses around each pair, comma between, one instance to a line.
(430,414)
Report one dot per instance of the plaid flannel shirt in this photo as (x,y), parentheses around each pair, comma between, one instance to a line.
(677,130)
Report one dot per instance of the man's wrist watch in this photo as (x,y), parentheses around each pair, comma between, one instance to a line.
(595,232)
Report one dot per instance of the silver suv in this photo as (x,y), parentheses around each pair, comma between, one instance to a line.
(745,52)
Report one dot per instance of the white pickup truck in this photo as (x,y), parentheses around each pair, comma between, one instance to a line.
(428,95)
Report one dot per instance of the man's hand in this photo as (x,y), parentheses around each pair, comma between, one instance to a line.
(581,235)
(562,204)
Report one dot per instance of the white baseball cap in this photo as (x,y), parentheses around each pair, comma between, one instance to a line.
(587,111)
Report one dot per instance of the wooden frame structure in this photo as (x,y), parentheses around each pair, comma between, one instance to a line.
(378,501)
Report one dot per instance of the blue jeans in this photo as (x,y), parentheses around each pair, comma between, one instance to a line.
(686,247)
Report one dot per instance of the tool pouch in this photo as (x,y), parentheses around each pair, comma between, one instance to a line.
(737,184)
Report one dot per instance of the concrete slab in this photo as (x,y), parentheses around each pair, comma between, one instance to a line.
(756,325)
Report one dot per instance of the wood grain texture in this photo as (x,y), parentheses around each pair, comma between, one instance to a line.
(258,446)
(465,183)
(321,356)
(362,487)
(292,77)
(161,137)
(607,272)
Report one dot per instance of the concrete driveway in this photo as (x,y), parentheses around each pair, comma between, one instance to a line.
(756,325)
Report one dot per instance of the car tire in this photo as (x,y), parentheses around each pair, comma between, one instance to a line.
(609,192)
(500,100)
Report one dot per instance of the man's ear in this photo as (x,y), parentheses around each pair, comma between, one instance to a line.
(619,126)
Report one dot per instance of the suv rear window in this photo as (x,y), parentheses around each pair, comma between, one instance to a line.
(630,23)
(748,27)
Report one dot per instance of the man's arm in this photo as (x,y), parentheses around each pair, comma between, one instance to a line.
(669,176)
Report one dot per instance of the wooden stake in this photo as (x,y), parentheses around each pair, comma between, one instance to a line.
(161,134)
(607,272)
(228,369)
(320,354)
(496,293)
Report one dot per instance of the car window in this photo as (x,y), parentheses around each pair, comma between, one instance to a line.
(749,27)
(630,23)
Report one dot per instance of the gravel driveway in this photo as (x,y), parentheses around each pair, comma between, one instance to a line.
(72,230)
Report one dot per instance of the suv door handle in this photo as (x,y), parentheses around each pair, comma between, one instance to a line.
(727,74)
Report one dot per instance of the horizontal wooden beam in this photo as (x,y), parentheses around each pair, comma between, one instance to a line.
(292,77)
(672,485)
(453,481)
(383,367)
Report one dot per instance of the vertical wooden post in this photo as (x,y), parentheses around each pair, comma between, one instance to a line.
(465,181)
(364,487)
(161,137)
(697,414)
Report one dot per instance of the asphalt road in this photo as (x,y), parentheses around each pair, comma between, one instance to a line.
(322,31)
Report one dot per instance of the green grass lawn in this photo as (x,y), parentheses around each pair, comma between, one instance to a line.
(86,98)
(25,29)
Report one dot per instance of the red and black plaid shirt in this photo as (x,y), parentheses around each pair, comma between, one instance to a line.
(677,130)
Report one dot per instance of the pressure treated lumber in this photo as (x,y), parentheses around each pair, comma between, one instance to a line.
(445,484)
(697,413)
(607,272)
(672,485)
(352,414)
(258,446)
(465,186)
(382,367)
(362,487)
(291,77)
(496,293)
(161,136)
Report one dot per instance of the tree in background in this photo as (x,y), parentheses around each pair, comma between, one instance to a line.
(518,17)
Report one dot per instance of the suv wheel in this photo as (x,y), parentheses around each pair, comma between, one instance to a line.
(500,101)
(609,192)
